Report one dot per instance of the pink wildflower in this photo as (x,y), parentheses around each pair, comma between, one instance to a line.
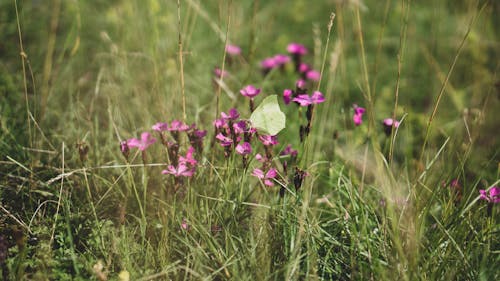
(304,68)
(188,159)
(301,84)
(224,141)
(182,170)
(289,151)
(124,149)
(184,224)
(178,126)
(287,96)
(231,115)
(313,75)
(305,100)
(268,63)
(281,59)
(220,123)
(267,178)
(268,140)
(391,122)
(219,73)
(145,141)
(492,195)
(233,50)
(296,49)
(160,127)
(357,118)
(240,127)
(250,91)
(358,115)
(200,133)
(244,148)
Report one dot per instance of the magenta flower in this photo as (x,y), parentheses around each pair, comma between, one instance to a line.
(220,123)
(268,63)
(160,127)
(178,126)
(492,195)
(244,148)
(268,140)
(287,96)
(304,67)
(240,127)
(357,118)
(289,151)
(391,122)
(182,170)
(359,110)
(296,49)
(313,75)
(184,224)
(188,159)
(223,140)
(145,141)
(231,115)
(267,178)
(200,133)
(196,138)
(281,59)
(358,115)
(306,100)
(233,50)
(124,149)
(301,84)
(219,73)
(250,91)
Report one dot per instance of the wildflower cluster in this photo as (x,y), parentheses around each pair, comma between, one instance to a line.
(170,137)
(235,135)
(491,196)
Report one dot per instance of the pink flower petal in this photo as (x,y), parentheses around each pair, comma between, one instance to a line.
(268,182)
(272,173)
(357,118)
(250,91)
(317,97)
(296,49)
(281,59)
(304,67)
(303,100)
(160,127)
(244,148)
(287,96)
(313,75)
(258,173)
(268,63)
(301,84)
(233,50)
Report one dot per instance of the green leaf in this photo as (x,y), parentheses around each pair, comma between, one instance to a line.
(268,117)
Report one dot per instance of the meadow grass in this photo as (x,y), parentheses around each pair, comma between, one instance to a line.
(399,205)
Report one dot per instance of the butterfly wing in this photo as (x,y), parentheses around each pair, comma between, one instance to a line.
(268,117)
